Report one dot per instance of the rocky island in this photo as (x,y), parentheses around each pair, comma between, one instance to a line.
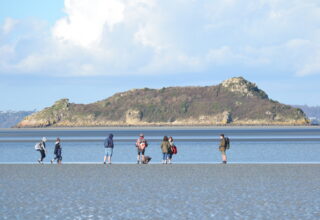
(235,101)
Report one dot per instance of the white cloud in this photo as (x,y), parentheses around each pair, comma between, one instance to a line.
(8,25)
(86,20)
(108,37)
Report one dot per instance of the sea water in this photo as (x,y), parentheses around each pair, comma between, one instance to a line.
(248,145)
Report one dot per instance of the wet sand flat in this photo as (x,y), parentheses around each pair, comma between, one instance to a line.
(156,191)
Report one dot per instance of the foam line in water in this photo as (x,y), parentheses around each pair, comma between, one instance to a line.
(186,163)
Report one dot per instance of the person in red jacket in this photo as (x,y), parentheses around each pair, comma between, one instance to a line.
(141,145)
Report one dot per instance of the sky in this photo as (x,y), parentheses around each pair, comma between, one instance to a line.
(87,50)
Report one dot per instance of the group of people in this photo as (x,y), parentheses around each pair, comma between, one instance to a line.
(41,147)
(168,149)
(167,146)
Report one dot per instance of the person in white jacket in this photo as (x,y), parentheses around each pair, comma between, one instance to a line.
(42,149)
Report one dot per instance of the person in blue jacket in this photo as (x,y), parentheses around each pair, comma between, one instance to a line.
(57,152)
(108,149)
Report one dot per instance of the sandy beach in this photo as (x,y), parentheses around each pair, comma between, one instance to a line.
(178,191)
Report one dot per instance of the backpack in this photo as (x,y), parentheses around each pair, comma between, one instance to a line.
(227,140)
(37,146)
(174,149)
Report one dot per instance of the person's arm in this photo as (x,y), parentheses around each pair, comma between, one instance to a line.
(223,143)
(44,147)
(56,148)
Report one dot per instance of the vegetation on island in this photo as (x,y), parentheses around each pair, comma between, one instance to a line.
(235,101)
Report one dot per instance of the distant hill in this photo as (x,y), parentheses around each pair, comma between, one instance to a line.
(235,101)
(311,111)
(11,118)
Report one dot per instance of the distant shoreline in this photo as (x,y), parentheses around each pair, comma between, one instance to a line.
(171,127)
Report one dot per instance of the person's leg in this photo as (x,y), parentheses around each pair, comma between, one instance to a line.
(138,156)
(43,155)
(110,155)
(224,156)
(54,159)
(105,155)
(60,159)
(164,158)
(142,155)
(169,158)
(59,156)
(39,160)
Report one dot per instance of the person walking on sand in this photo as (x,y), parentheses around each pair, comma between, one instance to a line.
(165,147)
(108,149)
(42,149)
(141,145)
(57,152)
(223,148)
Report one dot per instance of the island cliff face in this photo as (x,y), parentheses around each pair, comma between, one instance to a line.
(235,101)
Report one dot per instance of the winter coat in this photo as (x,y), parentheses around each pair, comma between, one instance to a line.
(165,147)
(222,146)
(108,143)
(57,149)
(43,146)
(222,143)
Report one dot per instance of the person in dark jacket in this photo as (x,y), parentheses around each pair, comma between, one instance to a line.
(108,149)
(165,147)
(222,148)
(57,152)
(42,149)
(170,151)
